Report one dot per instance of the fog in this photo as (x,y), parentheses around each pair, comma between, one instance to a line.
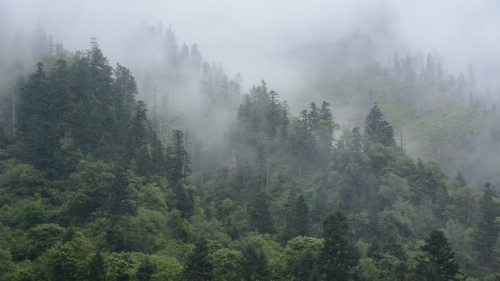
(265,39)
(251,37)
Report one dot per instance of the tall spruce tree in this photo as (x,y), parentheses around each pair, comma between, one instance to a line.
(487,231)
(438,262)
(300,223)
(198,265)
(377,129)
(178,158)
(36,127)
(260,215)
(339,256)
(254,263)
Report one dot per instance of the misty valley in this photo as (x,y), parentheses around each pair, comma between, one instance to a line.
(164,166)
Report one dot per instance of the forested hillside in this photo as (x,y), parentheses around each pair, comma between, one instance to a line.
(431,124)
(214,185)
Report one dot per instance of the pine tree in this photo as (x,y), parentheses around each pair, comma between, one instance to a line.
(300,223)
(36,125)
(178,158)
(487,231)
(273,115)
(62,99)
(313,117)
(397,66)
(408,69)
(430,71)
(254,263)
(125,89)
(339,256)
(377,129)
(260,215)
(196,59)
(284,124)
(438,262)
(184,202)
(198,266)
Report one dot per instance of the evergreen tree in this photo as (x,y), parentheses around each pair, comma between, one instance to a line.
(339,256)
(296,214)
(185,202)
(377,129)
(254,263)
(438,262)
(430,71)
(487,231)
(300,223)
(125,89)
(273,115)
(196,58)
(36,127)
(313,117)
(198,265)
(284,124)
(397,66)
(62,105)
(440,79)
(260,215)
(178,158)
(325,112)
(409,73)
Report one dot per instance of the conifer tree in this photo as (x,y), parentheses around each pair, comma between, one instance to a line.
(397,66)
(62,99)
(438,262)
(339,256)
(198,265)
(178,158)
(273,115)
(300,217)
(260,215)
(36,127)
(254,263)
(487,231)
(377,129)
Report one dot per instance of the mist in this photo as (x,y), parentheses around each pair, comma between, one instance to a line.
(265,140)
(251,38)
(284,42)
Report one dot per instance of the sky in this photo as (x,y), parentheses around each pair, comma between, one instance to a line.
(250,36)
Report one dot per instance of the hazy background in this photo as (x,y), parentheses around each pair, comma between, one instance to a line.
(254,37)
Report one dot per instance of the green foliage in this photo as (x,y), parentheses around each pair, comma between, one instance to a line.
(302,258)
(377,129)
(41,238)
(438,262)
(198,265)
(7,266)
(339,254)
(226,264)
(70,260)
(120,266)
(487,230)
(166,268)
(254,263)
(260,215)
(141,201)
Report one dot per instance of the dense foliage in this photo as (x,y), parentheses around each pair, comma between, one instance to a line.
(93,188)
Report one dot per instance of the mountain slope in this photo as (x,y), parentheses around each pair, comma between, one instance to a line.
(430,124)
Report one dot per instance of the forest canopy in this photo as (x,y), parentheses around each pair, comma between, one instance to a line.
(96,186)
